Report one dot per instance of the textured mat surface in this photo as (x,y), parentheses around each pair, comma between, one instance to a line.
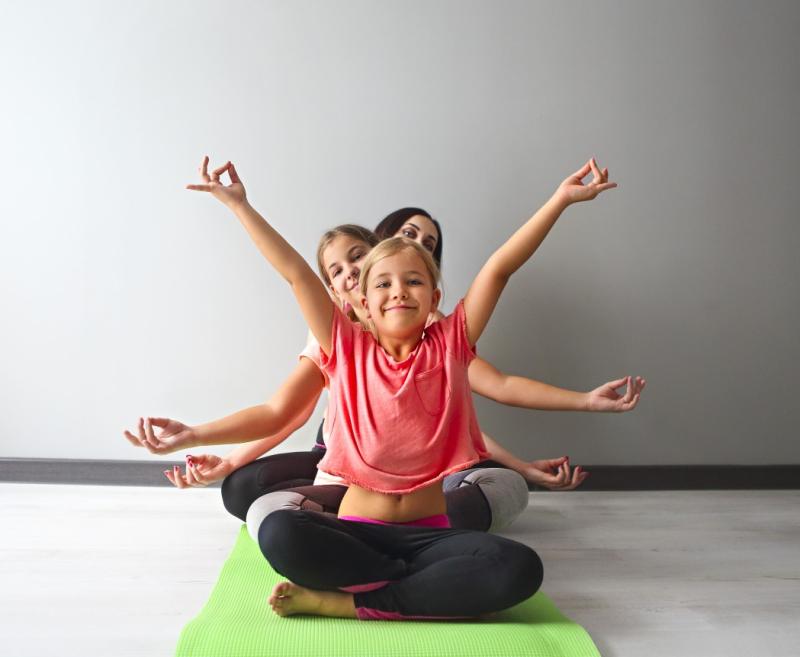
(237,622)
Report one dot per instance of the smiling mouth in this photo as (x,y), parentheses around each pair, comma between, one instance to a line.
(398,308)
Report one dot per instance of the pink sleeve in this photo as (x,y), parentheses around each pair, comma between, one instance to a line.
(342,336)
(454,327)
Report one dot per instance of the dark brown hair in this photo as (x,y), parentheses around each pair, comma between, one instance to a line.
(394,221)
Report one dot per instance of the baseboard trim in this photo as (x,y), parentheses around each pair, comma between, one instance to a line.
(92,472)
(603,477)
(692,477)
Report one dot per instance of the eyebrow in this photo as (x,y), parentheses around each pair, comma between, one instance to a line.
(412,271)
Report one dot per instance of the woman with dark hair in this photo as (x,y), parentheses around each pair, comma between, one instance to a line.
(417,225)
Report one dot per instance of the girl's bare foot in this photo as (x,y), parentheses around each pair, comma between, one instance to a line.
(288,599)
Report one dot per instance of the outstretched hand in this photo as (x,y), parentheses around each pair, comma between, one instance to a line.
(200,471)
(232,194)
(573,190)
(555,474)
(606,398)
(173,435)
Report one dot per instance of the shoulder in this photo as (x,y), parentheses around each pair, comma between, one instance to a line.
(453,330)
(453,322)
(345,336)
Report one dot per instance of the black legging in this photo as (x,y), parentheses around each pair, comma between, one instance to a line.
(266,475)
(467,507)
(421,572)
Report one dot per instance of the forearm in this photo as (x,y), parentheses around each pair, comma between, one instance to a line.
(277,251)
(486,380)
(311,295)
(240,427)
(249,452)
(500,454)
(485,291)
(289,406)
(523,244)
(529,393)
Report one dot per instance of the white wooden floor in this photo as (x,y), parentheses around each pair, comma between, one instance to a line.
(115,571)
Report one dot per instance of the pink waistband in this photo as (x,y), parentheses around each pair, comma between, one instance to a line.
(441,520)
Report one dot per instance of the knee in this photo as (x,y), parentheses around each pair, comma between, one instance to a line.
(506,492)
(275,536)
(524,573)
(235,498)
(268,504)
(456,480)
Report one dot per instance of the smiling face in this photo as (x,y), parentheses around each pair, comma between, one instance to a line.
(422,230)
(400,294)
(341,260)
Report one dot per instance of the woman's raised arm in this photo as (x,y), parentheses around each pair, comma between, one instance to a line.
(485,290)
(311,295)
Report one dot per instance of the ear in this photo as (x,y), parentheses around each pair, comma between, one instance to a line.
(366,307)
(435,299)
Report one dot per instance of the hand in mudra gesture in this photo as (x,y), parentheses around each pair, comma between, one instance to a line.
(605,398)
(555,474)
(162,435)
(201,471)
(230,195)
(574,190)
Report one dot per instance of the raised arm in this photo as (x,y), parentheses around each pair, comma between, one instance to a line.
(485,290)
(311,295)
(299,392)
(489,382)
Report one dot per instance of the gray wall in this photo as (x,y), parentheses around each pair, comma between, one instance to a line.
(124,294)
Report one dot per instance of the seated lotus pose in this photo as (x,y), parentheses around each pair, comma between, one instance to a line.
(401,418)
(483,498)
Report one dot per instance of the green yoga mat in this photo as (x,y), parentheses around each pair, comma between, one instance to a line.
(237,622)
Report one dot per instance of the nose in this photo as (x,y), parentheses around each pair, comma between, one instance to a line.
(354,273)
(400,292)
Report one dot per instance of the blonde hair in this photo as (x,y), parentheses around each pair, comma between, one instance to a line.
(393,246)
(348,230)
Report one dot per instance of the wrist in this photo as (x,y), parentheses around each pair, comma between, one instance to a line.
(533,475)
(584,402)
(560,200)
(239,206)
(200,436)
(517,465)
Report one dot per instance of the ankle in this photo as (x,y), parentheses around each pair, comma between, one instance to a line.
(333,603)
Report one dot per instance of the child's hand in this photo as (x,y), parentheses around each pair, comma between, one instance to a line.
(572,190)
(173,436)
(231,195)
(555,474)
(606,398)
(200,471)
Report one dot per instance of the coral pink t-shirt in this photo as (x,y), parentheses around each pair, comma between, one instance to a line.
(400,426)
